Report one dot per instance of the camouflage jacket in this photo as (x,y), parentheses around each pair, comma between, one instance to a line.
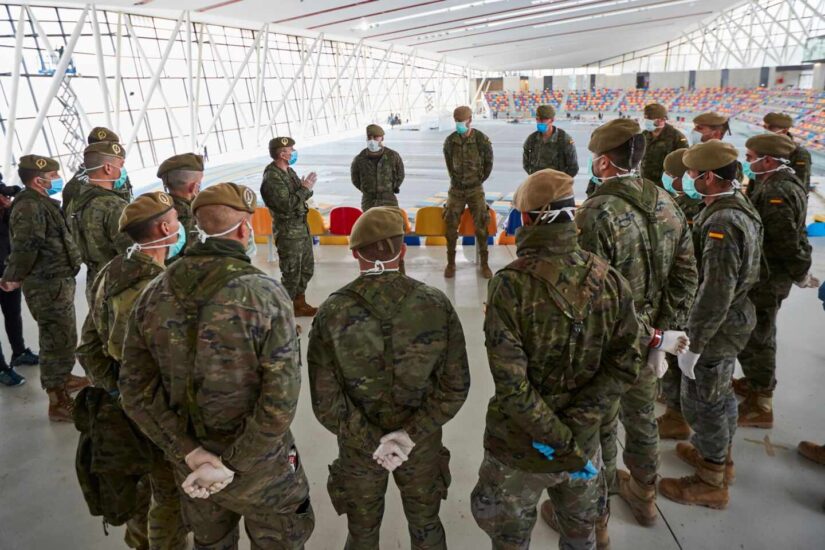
(72,189)
(386,353)
(93,217)
(41,245)
(469,159)
(114,293)
(562,343)
(211,358)
(380,178)
(727,237)
(782,203)
(690,207)
(558,153)
(185,217)
(286,199)
(640,231)
(801,164)
(657,148)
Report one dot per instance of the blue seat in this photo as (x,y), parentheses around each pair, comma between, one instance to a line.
(513,222)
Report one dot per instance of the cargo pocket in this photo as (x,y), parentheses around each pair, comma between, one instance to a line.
(444,477)
(337,489)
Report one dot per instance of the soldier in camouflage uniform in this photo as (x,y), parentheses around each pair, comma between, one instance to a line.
(728,233)
(182,176)
(800,158)
(93,216)
(661,139)
(782,202)
(45,260)
(151,221)
(211,373)
(286,196)
(80,178)
(562,343)
(387,369)
(711,125)
(639,230)
(377,171)
(549,146)
(469,157)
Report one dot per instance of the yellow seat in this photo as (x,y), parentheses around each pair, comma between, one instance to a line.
(334,239)
(819,217)
(429,222)
(435,241)
(316,223)
(262,224)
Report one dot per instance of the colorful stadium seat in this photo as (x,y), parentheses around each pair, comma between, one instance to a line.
(342,218)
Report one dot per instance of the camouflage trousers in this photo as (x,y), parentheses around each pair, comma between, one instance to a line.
(272,499)
(160,511)
(357,486)
(504,504)
(671,384)
(710,407)
(296,261)
(383,199)
(474,199)
(758,359)
(51,303)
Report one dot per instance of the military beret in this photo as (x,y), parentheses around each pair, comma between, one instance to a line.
(778,120)
(542,188)
(145,207)
(376,224)
(674,163)
(186,161)
(239,197)
(655,110)
(36,162)
(609,136)
(462,113)
(99,133)
(711,119)
(545,112)
(711,155)
(110,148)
(773,145)
(279,143)
(374,130)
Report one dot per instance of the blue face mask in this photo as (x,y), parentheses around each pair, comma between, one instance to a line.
(689,187)
(667,181)
(650,125)
(57,187)
(541,127)
(251,247)
(176,248)
(293,158)
(461,128)
(121,181)
(590,175)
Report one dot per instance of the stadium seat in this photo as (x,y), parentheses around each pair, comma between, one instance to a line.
(342,218)
(262,226)
(429,222)
(466,227)
(513,222)
(316,223)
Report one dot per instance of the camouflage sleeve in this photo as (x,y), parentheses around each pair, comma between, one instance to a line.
(91,352)
(525,155)
(508,363)
(782,243)
(398,173)
(353,173)
(594,232)
(486,158)
(28,223)
(448,158)
(571,160)
(802,167)
(283,201)
(448,389)
(120,240)
(682,281)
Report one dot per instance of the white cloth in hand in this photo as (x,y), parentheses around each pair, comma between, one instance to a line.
(674,342)
(657,361)
(687,362)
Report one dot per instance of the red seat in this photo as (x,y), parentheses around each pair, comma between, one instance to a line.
(342,218)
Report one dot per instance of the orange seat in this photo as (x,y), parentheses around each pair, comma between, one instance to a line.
(262,224)
(342,218)
(429,222)
(466,227)
(407,225)
(504,238)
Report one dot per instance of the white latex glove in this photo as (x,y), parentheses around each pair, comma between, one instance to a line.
(201,456)
(402,438)
(674,342)
(390,462)
(657,361)
(309,180)
(808,282)
(207,480)
(687,362)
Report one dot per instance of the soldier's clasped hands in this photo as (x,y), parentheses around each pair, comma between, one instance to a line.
(394,450)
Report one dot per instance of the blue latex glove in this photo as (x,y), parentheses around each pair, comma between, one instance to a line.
(548,451)
(587,473)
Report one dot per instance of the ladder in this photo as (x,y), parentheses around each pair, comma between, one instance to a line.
(70,119)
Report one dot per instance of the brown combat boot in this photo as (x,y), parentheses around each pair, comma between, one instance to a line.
(812,451)
(61,405)
(449,271)
(672,425)
(706,488)
(302,308)
(756,411)
(76,383)
(548,514)
(740,386)
(486,272)
(690,455)
(641,498)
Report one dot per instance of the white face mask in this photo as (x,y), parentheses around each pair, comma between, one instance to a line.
(695,137)
(650,125)
(374,146)
(251,247)
(378,266)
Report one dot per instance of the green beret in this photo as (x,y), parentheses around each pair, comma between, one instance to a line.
(542,188)
(374,130)
(145,207)
(109,148)
(38,163)
(675,164)
(462,114)
(711,119)
(239,197)
(711,155)
(375,225)
(655,110)
(773,145)
(99,133)
(609,136)
(545,112)
(186,161)
(778,120)
(279,143)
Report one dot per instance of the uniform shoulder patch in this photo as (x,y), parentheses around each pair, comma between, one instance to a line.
(718,235)
(776,200)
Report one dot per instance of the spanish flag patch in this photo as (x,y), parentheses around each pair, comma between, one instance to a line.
(716,235)
(776,201)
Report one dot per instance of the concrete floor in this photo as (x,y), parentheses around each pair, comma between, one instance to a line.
(776,501)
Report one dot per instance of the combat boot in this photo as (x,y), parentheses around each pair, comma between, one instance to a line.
(61,405)
(740,386)
(756,411)
(485,268)
(449,271)
(548,514)
(672,425)
(641,498)
(302,308)
(76,383)
(812,451)
(706,488)
(690,455)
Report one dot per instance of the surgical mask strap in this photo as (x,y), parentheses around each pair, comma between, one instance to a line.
(549,216)
(378,268)
(203,235)
(87,170)
(144,246)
